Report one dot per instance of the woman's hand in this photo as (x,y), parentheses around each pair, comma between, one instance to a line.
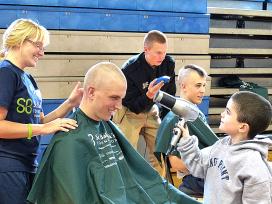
(76,95)
(59,124)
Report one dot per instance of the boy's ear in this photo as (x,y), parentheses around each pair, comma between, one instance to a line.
(244,128)
(182,85)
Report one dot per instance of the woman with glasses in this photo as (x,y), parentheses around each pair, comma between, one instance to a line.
(21,116)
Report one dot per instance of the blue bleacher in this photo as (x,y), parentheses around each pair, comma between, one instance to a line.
(193,6)
(269,5)
(237,4)
(107,20)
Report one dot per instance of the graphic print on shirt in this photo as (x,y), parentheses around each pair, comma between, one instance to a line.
(145,85)
(108,148)
(31,104)
(219,164)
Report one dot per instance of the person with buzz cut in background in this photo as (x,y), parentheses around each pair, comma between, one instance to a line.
(139,114)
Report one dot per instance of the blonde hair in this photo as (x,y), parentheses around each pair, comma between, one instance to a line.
(20,30)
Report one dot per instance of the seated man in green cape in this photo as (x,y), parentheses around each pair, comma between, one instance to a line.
(95,163)
(192,85)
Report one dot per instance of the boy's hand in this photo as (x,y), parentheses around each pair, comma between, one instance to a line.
(184,128)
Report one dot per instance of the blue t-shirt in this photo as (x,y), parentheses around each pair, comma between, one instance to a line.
(20,95)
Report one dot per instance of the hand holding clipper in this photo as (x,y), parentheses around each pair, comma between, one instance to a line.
(177,131)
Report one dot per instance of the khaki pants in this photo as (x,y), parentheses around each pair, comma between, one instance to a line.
(145,124)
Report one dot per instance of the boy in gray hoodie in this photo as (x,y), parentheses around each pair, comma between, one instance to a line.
(235,168)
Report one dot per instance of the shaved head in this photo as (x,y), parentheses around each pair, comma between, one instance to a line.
(104,88)
(103,74)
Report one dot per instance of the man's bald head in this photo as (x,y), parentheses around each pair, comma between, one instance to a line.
(103,74)
(104,88)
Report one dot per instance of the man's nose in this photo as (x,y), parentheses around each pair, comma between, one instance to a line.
(119,105)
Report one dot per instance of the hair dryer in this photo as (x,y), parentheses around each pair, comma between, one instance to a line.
(179,106)
(182,108)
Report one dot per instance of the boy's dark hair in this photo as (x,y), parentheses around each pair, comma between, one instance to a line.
(254,110)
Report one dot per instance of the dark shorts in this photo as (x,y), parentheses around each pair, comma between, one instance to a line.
(192,185)
(15,186)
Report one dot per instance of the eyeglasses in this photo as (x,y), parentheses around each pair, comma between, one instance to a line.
(38,45)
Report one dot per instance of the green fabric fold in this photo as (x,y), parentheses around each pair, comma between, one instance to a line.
(72,172)
(198,128)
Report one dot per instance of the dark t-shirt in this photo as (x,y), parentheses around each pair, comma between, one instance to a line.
(20,95)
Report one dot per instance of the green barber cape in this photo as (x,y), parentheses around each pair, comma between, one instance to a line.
(95,164)
(198,128)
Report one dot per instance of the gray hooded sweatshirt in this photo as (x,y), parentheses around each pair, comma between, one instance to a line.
(233,173)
